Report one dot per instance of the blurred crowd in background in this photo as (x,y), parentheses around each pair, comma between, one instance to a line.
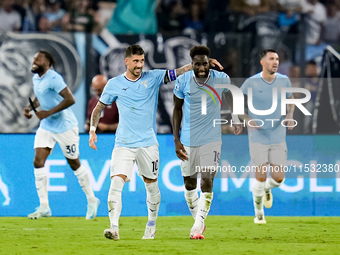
(169,17)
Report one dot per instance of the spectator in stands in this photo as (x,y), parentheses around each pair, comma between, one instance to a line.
(294,76)
(290,7)
(315,20)
(109,119)
(289,11)
(10,20)
(332,24)
(285,62)
(33,10)
(171,18)
(251,7)
(81,18)
(104,10)
(52,17)
(194,21)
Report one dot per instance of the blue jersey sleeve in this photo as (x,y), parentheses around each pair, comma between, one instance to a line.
(109,95)
(57,83)
(226,80)
(178,90)
(245,86)
(158,75)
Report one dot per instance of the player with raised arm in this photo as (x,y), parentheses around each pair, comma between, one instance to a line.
(267,143)
(136,94)
(198,142)
(57,125)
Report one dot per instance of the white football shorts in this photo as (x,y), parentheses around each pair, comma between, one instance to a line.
(200,158)
(146,158)
(68,141)
(275,154)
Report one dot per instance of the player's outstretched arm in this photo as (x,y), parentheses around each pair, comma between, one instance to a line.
(213,62)
(95,116)
(176,126)
(179,71)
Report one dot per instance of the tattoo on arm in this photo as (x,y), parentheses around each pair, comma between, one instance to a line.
(95,116)
(183,69)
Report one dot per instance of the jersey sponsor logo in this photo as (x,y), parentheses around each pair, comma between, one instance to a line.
(145,83)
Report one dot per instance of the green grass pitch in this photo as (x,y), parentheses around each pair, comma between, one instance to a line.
(224,235)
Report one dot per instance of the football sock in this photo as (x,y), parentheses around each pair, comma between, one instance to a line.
(204,204)
(153,199)
(258,193)
(191,196)
(84,181)
(41,185)
(114,200)
(271,183)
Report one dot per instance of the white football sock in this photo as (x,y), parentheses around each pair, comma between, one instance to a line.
(271,183)
(114,200)
(84,181)
(191,196)
(41,185)
(153,199)
(204,204)
(258,193)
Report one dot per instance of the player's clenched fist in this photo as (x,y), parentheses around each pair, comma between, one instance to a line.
(27,113)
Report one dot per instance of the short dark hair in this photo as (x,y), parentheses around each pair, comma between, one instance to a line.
(264,52)
(134,49)
(199,50)
(311,62)
(49,57)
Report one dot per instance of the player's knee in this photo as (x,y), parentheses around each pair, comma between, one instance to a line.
(261,179)
(38,162)
(207,185)
(190,184)
(279,180)
(74,163)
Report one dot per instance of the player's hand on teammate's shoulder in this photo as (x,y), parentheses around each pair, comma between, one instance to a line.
(213,62)
(93,139)
(180,151)
(27,113)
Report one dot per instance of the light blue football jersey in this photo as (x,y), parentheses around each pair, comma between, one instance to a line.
(198,129)
(272,132)
(137,107)
(47,89)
